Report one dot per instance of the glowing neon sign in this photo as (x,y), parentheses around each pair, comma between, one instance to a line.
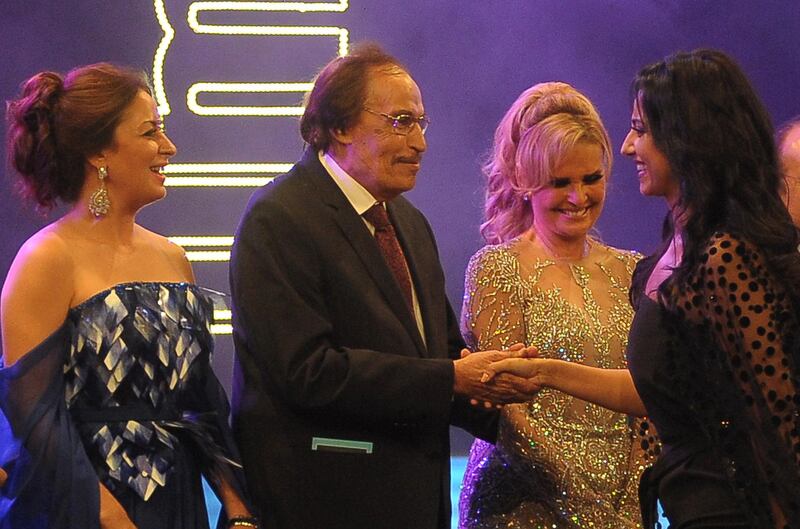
(206,99)
(207,110)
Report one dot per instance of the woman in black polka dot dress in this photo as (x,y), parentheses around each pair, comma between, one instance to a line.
(714,348)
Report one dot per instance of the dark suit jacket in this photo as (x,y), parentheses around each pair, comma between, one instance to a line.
(327,351)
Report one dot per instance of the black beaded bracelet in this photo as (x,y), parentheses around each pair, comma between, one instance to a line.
(243,521)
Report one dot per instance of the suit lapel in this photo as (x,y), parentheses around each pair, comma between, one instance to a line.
(363,242)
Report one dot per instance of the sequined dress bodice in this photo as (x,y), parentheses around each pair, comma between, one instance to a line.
(139,354)
(558,461)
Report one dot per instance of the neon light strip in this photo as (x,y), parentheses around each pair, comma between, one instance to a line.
(227,168)
(303,7)
(218,181)
(221,328)
(222,315)
(222,243)
(194,241)
(208,256)
(207,110)
(158,60)
(275,31)
(204,169)
(222,29)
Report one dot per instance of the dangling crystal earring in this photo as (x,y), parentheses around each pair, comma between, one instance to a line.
(99,203)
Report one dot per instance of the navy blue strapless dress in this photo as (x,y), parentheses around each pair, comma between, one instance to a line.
(122,393)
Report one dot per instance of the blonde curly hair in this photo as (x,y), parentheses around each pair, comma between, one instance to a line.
(542,126)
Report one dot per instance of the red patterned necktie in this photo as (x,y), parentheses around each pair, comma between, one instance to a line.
(390,248)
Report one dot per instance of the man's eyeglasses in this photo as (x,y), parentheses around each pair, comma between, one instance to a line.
(403,123)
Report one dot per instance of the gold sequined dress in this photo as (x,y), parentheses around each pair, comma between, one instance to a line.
(559,462)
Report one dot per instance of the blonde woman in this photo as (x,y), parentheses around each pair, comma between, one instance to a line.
(544,281)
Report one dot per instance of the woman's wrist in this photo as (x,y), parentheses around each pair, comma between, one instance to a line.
(243,521)
(548,373)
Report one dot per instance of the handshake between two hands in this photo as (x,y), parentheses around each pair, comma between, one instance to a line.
(494,378)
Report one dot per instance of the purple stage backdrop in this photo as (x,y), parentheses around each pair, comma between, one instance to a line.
(232,75)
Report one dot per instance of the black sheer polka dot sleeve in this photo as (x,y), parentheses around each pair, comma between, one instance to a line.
(750,318)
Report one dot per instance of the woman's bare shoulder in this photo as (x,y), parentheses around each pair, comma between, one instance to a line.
(36,292)
(173,251)
(47,250)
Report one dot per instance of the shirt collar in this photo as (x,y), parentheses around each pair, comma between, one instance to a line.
(356,194)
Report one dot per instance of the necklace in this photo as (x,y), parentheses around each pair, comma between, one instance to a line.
(554,256)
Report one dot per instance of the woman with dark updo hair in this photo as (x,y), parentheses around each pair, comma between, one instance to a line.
(713,353)
(110,409)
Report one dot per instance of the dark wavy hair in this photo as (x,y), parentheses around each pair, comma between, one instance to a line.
(706,118)
(56,123)
(339,92)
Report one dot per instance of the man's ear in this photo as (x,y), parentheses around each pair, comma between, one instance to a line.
(341,135)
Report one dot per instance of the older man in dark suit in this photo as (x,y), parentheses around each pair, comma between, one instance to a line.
(348,353)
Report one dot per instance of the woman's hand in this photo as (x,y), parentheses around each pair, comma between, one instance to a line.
(610,388)
(3,477)
(530,368)
(520,350)
(112,515)
(236,510)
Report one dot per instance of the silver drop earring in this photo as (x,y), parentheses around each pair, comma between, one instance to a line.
(99,204)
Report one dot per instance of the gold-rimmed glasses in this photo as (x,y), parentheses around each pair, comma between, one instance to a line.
(403,123)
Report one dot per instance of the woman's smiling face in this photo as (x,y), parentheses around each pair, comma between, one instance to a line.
(652,167)
(137,156)
(569,205)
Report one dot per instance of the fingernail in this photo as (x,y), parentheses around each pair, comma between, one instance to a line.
(485,377)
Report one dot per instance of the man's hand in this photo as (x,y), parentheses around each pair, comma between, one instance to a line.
(520,350)
(504,388)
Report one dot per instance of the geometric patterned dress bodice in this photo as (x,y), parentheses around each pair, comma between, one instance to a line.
(136,380)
